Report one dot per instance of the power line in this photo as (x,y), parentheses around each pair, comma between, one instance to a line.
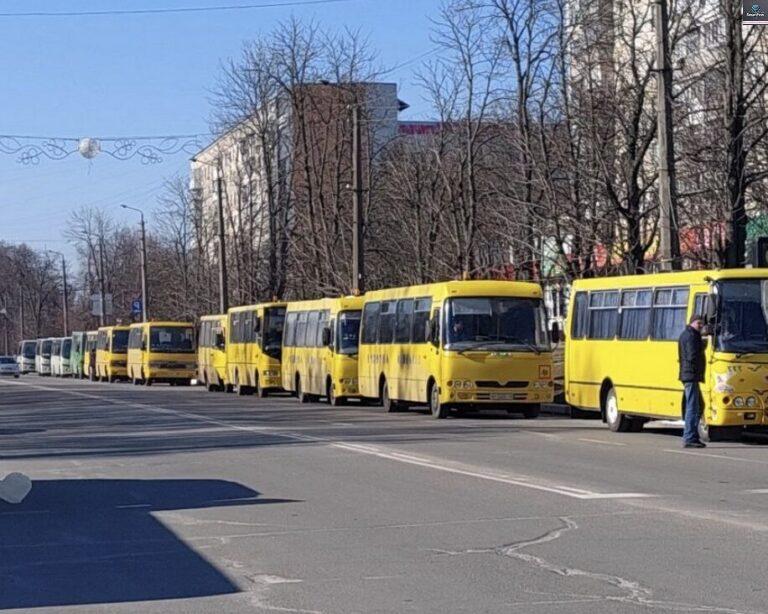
(181,9)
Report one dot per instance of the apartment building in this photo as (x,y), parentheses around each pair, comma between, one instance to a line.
(274,150)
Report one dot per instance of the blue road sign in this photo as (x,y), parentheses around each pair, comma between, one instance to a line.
(136,306)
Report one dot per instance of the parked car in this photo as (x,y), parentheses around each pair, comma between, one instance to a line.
(9,366)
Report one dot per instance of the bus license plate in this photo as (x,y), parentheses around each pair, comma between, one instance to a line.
(502,396)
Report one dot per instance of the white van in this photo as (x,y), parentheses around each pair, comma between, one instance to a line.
(43,356)
(26,357)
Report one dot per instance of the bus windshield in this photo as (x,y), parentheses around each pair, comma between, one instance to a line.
(45,348)
(172,339)
(496,323)
(742,324)
(29,350)
(348,332)
(274,320)
(119,341)
(66,348)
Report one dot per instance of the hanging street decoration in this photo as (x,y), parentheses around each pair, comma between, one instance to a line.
(148,149)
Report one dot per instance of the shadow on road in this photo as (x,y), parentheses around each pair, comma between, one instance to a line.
(76,542)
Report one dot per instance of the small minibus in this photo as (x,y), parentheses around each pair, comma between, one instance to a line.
(457,345)
(111,353)
(212,353)
(254,345)
(161,352)
(320,345)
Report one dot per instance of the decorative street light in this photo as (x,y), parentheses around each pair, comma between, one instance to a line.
(144,307)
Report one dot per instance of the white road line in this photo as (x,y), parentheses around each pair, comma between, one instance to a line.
(757,491)
(600,441)
(437,464)
(737,459)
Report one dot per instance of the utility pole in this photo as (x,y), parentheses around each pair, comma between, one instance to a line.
(358,246)
(103,306)
(4,312)
(66,295)
(144,294)
(223,291)
(21,313)
(669,247)
(65,290)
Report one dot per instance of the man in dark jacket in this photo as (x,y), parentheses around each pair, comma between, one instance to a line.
(691,356)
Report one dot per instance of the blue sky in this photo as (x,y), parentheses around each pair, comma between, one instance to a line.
(143,74)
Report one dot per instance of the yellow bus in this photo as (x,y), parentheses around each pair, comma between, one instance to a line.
(254,343)
(320,345)
(162,352)
(89,355)
(457,345)
(111,353)
(212,353)
(622,354)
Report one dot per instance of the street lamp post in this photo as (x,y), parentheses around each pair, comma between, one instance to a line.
(144,307)
(65,307)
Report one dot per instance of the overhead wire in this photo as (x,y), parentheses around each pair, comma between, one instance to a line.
(170,10)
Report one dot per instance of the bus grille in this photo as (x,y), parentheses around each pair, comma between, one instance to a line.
(492,384)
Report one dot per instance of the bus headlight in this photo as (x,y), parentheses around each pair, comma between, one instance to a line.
(460,383)
(349,381)
(751,402)
(270,372)
(738,401)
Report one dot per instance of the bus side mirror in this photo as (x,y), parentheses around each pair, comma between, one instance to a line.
(555,333)
(143,345)
(326,337)
(219,341)
(711,314)
(257,325)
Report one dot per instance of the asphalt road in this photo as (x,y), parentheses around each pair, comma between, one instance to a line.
(178,500)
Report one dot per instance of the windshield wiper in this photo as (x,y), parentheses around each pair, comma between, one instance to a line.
(519,341)
(503,341)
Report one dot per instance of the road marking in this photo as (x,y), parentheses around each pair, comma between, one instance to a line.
(437,464)
(737,459)
(548,436)
(600,441)
(757,491)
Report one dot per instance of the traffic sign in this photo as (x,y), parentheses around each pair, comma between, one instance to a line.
(136,306)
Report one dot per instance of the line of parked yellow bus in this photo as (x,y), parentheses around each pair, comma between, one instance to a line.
(462,345)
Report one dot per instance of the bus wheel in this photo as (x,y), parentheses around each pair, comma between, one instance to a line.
(711,434)
(438,410)
(241,390)
(531,412)
(617,422)
(389,404)
(261,392)
(110,378)
(147,381)
(333,400)
(302,396)
(209,386)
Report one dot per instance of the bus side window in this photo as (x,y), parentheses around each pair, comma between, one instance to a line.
(580,316)
(370,323)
